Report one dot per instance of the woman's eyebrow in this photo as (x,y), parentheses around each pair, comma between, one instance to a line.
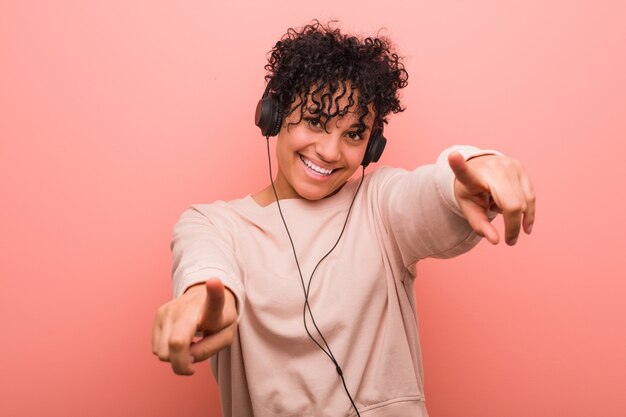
(320,115)
(359,125)
(326,117)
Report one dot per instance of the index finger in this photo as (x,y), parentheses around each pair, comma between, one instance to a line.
(212,315)
(462,171)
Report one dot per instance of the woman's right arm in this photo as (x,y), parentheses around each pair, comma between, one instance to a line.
(208,293)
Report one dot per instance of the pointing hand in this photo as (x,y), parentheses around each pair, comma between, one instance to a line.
(208,308)
(494,183)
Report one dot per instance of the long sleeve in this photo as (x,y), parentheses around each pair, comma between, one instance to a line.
(201,250)
(421,213)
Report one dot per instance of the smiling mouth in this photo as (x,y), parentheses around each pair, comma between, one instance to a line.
(315,168)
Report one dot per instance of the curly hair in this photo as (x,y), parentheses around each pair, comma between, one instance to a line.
(314,68)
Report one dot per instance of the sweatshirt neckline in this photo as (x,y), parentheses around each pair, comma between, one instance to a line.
(342,197)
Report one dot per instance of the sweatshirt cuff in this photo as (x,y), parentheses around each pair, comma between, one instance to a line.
(445,176)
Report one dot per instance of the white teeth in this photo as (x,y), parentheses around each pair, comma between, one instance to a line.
(316,168)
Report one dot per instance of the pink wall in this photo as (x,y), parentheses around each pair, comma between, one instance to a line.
(114,116)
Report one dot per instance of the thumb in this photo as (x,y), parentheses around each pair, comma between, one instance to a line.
(212,317)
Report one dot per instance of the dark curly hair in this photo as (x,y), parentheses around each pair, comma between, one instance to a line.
(315,67)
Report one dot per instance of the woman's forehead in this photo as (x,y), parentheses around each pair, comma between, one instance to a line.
(351,116)
(342,103)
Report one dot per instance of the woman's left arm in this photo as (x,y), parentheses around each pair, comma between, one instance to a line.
(494,183)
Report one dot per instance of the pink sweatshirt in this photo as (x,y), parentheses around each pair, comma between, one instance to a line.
(361,295)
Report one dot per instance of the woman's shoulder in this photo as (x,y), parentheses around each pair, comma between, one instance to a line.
(384,174)
(222,207)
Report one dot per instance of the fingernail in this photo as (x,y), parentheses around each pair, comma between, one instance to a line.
(193,360)
(530,228)
(513,241)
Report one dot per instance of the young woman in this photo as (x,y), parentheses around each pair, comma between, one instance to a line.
(302,293)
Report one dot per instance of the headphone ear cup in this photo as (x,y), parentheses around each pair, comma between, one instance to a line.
(268,116)
(277,118)
(375,147)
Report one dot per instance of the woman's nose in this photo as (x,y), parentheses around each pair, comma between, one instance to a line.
(328,147)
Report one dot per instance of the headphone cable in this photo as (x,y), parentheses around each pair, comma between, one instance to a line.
(306,288)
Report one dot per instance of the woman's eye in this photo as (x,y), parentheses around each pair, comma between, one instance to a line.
(313,122)
(354,136)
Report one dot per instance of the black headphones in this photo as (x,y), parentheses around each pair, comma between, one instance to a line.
(269,118)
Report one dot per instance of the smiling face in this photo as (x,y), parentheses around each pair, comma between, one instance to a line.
(316,155)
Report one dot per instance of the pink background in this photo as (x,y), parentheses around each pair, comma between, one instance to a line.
(116,115)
